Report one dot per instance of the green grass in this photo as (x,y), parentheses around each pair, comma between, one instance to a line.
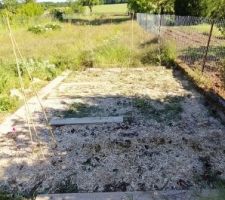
(168,110)
(73,47)
(202,28)
(81,110)
(109,9)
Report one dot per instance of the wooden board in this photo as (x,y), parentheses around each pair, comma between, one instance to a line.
(86,120)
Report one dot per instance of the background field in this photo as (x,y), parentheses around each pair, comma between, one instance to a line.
(110,9)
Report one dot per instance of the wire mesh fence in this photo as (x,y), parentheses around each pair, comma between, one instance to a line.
(198,42)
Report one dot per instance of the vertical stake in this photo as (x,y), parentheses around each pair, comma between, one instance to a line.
(146,22)
(159,37)
(207,48)
(133,30)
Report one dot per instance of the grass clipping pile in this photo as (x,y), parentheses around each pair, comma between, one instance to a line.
(169,140)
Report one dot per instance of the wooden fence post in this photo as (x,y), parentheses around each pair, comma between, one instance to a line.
(207,48)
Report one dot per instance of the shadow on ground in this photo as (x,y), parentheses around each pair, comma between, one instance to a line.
(100,21)
(42,167)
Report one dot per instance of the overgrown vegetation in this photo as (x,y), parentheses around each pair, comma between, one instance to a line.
(6,196)
(9,81)
(81,110)
(42,29)
(168,110)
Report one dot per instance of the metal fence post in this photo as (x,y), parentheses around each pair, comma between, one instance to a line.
(146,22)
(207,48)
(159,38)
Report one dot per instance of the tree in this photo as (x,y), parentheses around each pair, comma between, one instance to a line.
(215,9)
(139,6)
(190,7)
(10,5)
(90,3)
(30,9)
(76,6)
(164,6)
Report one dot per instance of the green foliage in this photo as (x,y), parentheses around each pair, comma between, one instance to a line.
(168,54)
(81,110)
(90,3)
(57,13)
(87,59)
(216,10)
(7,103)
(30,9)
(43,70)
(152,6)
(10,5)
(150,56)
(139,6)
(168,110)
(77,7)
(42,29)
(164,6)
(190,7)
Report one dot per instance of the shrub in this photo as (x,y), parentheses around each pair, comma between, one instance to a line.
(150,56)
(43,70)
(66,61)
(87,59)
(53,26)
(57,14)
(42,29)
(37,29)
(141,6)
(30,10)
(168,54)
(77,7)
(7,103)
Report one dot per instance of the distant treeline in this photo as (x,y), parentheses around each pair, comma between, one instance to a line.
(65,4)
(114,1)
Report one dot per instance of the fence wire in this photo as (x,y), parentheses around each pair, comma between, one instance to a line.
(192,38)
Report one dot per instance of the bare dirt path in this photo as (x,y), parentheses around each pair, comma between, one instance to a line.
(169,140)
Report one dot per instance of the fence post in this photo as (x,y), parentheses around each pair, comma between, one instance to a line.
(207,48)
(146,22)
(159,38)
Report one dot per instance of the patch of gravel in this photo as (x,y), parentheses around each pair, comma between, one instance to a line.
(169,140)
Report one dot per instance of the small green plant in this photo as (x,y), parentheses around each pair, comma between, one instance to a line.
(43,70)
(37,29)
(67,186)
(81,110)
(87,59)
(42,29)
(53,27)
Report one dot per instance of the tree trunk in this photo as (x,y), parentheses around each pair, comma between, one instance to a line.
(90,7)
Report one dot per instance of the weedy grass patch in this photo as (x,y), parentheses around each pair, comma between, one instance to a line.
(162,111)
(48,52)
(81,110)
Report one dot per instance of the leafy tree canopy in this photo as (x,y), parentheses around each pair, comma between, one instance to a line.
(151,6)
(190,7)
(90,3)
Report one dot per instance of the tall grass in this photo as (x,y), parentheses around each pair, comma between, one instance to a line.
(73,47)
